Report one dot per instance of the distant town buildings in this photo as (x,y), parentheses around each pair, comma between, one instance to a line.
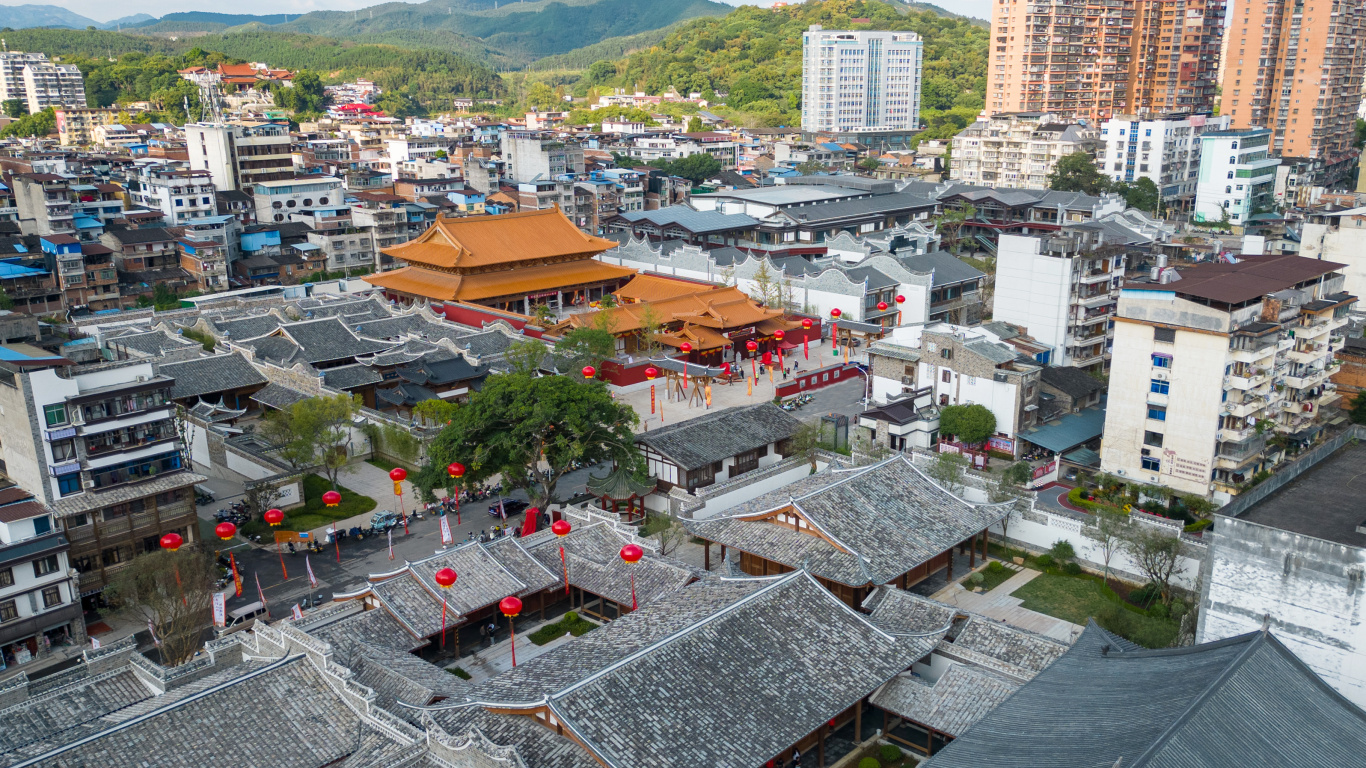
(1017,150)
(32,79)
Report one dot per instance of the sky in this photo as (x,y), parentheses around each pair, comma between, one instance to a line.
(102,10)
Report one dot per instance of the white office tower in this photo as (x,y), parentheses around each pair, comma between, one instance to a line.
(860,81)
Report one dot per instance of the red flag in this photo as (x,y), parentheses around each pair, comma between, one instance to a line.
(236,577)
(312,580)
(529,527)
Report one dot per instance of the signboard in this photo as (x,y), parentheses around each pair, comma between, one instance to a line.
(1045,469)
(1002,444)
(220,609)
(284,537)
(740,333)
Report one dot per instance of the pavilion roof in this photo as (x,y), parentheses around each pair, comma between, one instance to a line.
(445,286)
(507,239)
(717,308)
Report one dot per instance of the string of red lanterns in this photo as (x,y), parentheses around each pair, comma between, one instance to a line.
(398,475)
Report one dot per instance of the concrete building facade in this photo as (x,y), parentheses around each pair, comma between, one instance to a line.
(238,155)
(860,80)
(1165,150)
(1237,176)
(1017,150)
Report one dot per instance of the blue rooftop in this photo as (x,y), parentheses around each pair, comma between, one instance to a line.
(11,269)
(1069,431)
(15,356)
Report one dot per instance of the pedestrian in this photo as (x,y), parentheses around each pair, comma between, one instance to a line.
(796,758)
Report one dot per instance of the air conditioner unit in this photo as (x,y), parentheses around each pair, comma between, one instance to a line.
(140,377)
(88,483)
(1146,452)
(1119,472)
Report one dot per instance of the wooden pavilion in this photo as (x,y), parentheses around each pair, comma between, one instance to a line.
(620,492)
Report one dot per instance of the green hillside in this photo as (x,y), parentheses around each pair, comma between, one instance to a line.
(754,55)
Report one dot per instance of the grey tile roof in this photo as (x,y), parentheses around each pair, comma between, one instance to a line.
(1074,381)
(353,311)
(374,627)
(330,339)
(887,519)
(593,556)
(485,344)
(763,664)
(276,349)
(696,222)
(820,212)
(350,376)
(900,612)
(406,394)
(948,269)
(1022,650)
(240,328)
(429,372)
(995,352)
(876,280)
(119,494)
(211,375)
(953,703)
(278,396)
(397,675)
(721,434)
(389,327)
(1237,702)
(46,715)
(153,343)
(537,745)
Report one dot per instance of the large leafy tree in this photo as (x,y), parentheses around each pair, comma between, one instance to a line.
(585,346)
(515,422)
(313,432)
(971,424)
(1077,172)
(173,591)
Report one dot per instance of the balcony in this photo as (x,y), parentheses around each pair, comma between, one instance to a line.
(1307,380)
(1245,408)
(1252,355)
(1249,380)
(1096,276)
(1097,300)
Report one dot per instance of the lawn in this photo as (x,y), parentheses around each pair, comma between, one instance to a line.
(1077,598)
(995,577)
(314,514)
(569,623)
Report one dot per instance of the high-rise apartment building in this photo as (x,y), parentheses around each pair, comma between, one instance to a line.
(1017,150)
(1164,149)
(1095,59)
(1237,176)
(238,155)
(854,81)
(1296,68)
(32,79)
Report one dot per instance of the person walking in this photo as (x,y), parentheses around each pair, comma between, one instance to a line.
(796,758)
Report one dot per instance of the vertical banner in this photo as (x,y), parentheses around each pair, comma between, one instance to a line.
(236,577)
(94,643)
(220,609)
(153,630)
(390,533)
(446,537)
(312,580)
(261,594)
(298,613)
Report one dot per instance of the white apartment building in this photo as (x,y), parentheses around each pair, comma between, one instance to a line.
(1017,150)
(1165,150)
(275,200)
(238,155)
(347,248)
(1208,367)
(1237,176)
(181,194)
(32,79)
(529,157)
(1063,290)
(855,81)
(39,600)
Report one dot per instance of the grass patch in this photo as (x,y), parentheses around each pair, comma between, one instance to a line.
(459,672)
(314,514)
(569,623)
(994,577)
(1078,598)
(388,466)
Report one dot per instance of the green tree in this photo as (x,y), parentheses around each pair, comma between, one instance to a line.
(1358,412)
(171,590)
(950,224)
(585,346)
(1142,194)
(37,124)
(5,301)
(869,164)
(696,168)
(1358,139)
(1019,474)
(313,432)
(695,125)
(541,96)
(651,325)
(971,424)
(515,422)
(526,357)
(15,108)
(948,470)
(1157,553)
(1077,172)
(163,298)
(600,72)
(1108,527)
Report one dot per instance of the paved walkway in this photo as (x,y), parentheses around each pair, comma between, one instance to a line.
(999,604)
(490,662)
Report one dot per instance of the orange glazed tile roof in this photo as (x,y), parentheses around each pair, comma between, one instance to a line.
(701,338)
(510,238)
(655,288)
(717,308)
(488,285)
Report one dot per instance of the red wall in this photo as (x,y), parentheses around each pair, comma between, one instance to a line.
(476,316)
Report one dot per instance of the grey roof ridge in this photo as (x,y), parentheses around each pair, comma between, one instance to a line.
(482,548)
(833,538)
(516,542)
(579,736)
(282,661)
(393,614)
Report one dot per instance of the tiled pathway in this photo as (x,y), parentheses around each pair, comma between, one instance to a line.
(999,604)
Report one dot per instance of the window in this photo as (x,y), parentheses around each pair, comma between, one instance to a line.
(69,484)
(1151,464)
(45,566)
(42,525)
(1160,387)
(6,577)
(947,376)
(1157,412)
(52,596)
(1167,335)
(1152,438)
(55,414)
(1162,361)
(63,450)
(8,611)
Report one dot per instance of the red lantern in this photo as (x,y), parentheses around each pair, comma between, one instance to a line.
(172,541)
(398,474)
(561,527)
(274,517)
(686,347)
(445,578)
(225,531)
(332,499)
(511,606)
(835,312)
(882,306)
(900,299)
(779,334)
(751,345)
(631,554)
(651,372)
(456,469)
(806,323)
(589,372)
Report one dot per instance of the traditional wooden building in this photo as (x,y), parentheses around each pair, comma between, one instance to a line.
(511,261)
(854,529)
(717,446)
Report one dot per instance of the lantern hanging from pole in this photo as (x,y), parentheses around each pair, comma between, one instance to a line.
(835,331)
(561,528)
(225,531)
(511,607)
(687,352)
(273,517)
(752,346)
(332,499)
(631,554)
(779,334)
(172,541)
(899,301)
(650,374)
(589,372)
(456,470)
(398,474)
(806,326)
(882,306)
(445,578)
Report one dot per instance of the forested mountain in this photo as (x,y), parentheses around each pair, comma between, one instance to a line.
(754,56)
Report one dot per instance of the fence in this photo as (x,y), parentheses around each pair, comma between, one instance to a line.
(1244,501)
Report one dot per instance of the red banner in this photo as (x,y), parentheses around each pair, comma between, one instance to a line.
(236,577)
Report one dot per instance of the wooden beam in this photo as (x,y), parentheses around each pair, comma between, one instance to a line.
(972,552)
(706,555)
(820,746)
